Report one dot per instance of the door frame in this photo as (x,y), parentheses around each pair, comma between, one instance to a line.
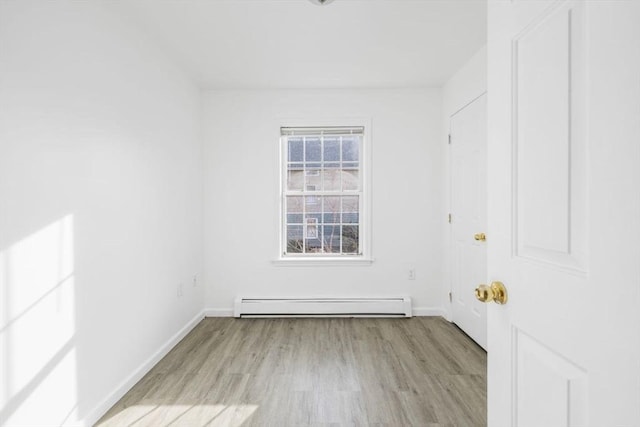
(450,237)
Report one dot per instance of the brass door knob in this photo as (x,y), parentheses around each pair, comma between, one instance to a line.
(496,293)
(481,237)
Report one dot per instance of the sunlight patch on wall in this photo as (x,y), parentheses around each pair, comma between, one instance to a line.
(37,329)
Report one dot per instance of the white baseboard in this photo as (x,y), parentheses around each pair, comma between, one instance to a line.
(137,375)
(417,311)
(429,311)
(218,312)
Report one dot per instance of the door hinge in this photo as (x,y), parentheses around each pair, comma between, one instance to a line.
(449,218)
(449,138)
(450,297)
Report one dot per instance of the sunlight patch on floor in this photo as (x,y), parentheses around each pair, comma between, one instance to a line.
(182,415)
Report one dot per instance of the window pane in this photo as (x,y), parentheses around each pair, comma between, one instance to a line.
(350,218)
(350,239)
(294,218)
(311,230)
(295,150)
(312,203)
(332,179)
(295,180)
(313,245)
(331,210)
(294,239)
(313,180)
(350,210)
(331,149)
(331,238)
(294,204)
(351,179)
(312,150)
(350,149)
(313,218)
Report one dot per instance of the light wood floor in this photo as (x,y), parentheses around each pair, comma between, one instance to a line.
(313,372)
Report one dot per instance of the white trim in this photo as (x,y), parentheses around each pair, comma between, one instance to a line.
(365,192)
(416,312)
(322,130)
(140,372)
(322,261)
(397,306)
(430,312)
(447,312)
(218,312)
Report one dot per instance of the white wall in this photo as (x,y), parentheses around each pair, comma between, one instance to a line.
(465,85)
(468,83)
(241,199)
(100,208)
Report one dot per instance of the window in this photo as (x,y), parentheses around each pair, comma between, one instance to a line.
(322,192)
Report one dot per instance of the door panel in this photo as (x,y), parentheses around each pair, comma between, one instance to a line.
(469,217)
(563,202)
(541,91)
(538,367)
(548,122)
(537,245)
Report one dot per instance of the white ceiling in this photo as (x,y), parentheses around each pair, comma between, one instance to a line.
(295,44)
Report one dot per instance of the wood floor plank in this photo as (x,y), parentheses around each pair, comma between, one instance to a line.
(421,371)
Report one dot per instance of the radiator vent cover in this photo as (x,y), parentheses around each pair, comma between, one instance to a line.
(322,307)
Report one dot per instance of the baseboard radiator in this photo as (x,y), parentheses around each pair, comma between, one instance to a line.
(322,307)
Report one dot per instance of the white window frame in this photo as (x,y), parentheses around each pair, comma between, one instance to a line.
(364,257)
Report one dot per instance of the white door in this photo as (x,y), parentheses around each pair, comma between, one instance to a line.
(468,148)
(564,212)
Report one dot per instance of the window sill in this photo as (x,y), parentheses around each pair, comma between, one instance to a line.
(321,262)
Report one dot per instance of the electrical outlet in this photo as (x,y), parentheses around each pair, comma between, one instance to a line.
(411,274)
